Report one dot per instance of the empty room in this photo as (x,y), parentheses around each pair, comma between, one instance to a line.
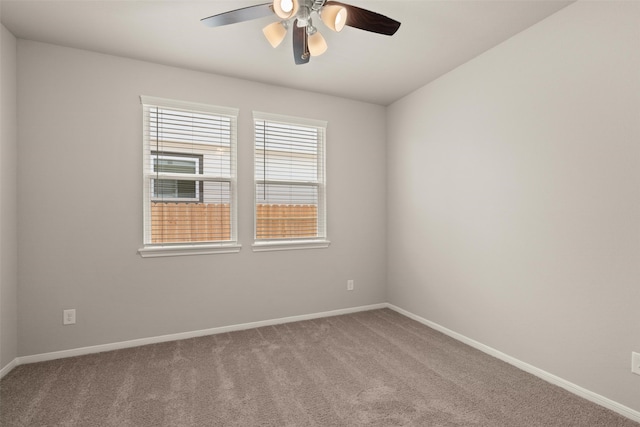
(320,213)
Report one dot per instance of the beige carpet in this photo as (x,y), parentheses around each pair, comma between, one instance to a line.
(375,368)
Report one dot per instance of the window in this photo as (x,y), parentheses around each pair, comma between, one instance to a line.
(189,191)
(289,170)
(174,189)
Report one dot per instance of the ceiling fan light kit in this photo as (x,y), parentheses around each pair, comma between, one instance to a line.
(275,32)
(317,44)
(334,17)
(307,41)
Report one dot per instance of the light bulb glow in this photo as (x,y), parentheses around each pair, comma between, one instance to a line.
(341,19)
(286,5)
(285,9)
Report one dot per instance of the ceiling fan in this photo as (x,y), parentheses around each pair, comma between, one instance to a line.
(307,41)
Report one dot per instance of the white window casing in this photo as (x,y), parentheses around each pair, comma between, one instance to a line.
(289,183)
(189,178)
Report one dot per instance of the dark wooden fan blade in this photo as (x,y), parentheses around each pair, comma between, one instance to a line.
(239,15)
(300,47)
(369,21)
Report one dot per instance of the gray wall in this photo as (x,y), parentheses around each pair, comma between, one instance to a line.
(80,185)
(514,198)
(8,200)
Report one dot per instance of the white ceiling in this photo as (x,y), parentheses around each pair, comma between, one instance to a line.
(435,37)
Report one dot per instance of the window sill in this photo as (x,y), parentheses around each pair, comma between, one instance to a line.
(290,245)
(180,250)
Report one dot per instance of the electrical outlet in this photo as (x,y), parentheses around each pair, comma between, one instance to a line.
(349,285)
(69,317)
(635,363)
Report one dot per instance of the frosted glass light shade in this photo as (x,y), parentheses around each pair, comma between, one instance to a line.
(275,33)
(285,9)
(317,44)
(334,17)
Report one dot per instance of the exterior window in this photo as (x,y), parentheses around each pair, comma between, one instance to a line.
(189,177)
(289,181)
(174,189)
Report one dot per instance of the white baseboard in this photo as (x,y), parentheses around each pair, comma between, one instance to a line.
(553,379)
(185,335)
(4,371)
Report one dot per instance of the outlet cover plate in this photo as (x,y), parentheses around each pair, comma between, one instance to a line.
(69,316)
(635,363)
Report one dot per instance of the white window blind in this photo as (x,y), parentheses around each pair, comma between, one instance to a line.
(189,173)
(289,178)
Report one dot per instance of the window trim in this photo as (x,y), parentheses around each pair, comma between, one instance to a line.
(196,249)
(287,245)
(152,250)
(263,245)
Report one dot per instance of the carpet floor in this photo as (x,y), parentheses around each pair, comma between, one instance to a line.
(374,368)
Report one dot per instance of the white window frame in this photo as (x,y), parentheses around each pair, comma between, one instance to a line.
(196,248)
(260,245)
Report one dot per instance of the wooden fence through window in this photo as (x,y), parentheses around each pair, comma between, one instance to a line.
(286,221)
(205,222)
